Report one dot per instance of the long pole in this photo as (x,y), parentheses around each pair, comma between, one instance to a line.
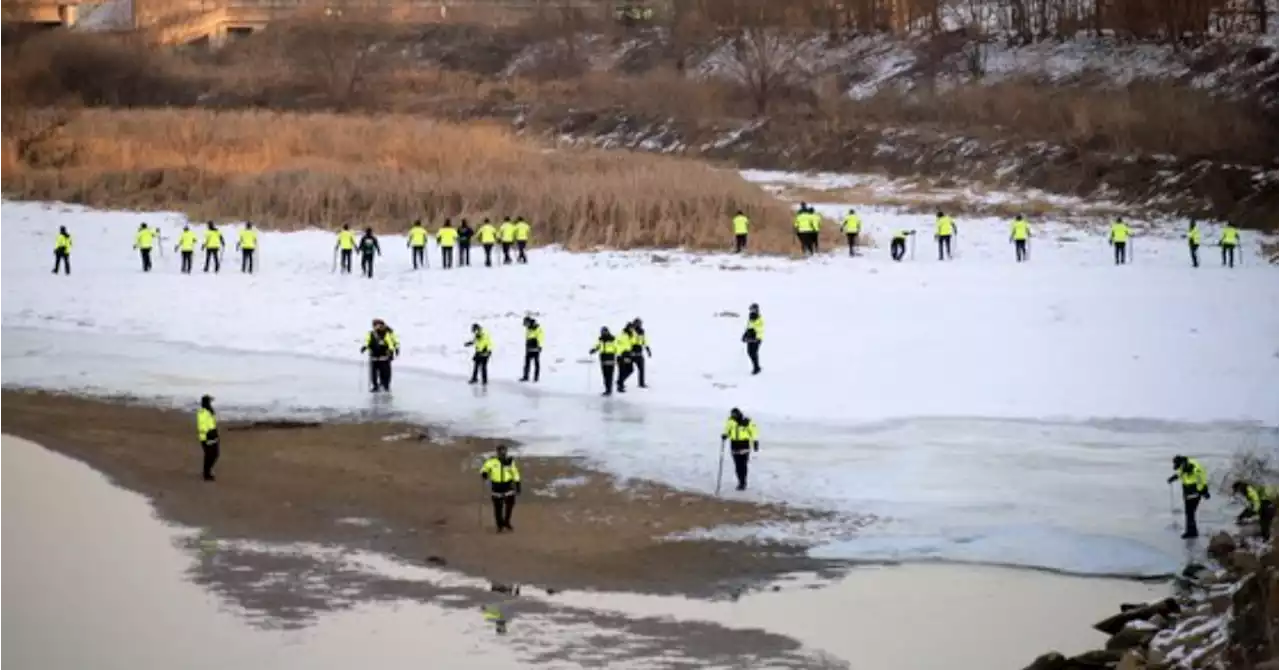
(720,470)
(1173,507)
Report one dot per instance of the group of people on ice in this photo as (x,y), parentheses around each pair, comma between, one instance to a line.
(808,227)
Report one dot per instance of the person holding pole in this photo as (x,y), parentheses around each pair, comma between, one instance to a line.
(1195,486)
(743,438)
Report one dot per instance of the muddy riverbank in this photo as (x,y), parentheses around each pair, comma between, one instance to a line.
(406,492)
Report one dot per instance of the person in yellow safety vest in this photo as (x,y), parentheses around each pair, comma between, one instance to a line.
(944,228)
(248,245)
(607,347)
(346,246)
(753,336)
(523,229)
(507,237)
(493,614)
(1195,486)
(639,350)
(212,247)
(62,250)
(1019,233)
(626,364)
(383,346)
(1119,239)
(852,225)
(186,248)
(1193,243)
(207,432)
(486,234)
(417,243)
(898,244)
(803,225)
(743,438)
(741,228)
(815,227)
(143,242)
(446,238)
(1229,240)
(532,348)
(482,349)
(1260,501)
(503,475)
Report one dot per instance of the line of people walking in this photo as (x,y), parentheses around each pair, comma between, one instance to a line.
(807,225)
(511,238)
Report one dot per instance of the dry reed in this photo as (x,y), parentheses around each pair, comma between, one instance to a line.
(292,171)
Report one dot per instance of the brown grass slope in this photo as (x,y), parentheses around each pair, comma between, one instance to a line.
(292,171)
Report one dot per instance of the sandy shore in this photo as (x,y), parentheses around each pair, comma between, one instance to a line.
(133,604)
(410,493)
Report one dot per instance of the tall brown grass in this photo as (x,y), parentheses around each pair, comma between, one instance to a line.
(292,171)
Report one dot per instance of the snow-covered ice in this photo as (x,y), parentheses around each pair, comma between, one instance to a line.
(983,410)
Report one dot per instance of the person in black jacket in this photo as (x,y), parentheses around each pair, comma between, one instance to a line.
(368,247)
(465,233)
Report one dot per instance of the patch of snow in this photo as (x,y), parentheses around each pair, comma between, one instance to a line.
(947,400)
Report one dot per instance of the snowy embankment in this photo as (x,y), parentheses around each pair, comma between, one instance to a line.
(967,405)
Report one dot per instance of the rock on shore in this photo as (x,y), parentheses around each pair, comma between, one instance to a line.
(1222,616)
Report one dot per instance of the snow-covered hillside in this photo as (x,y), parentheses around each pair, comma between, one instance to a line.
(967,405)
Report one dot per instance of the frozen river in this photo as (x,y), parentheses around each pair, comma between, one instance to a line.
(1083,497)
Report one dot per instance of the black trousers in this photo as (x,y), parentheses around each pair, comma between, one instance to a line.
(532,358)
(187,257)
(246,260)
(446,257)
(810,242)
(753,353)
(464,253)
(897,249)
(1020,250)
(366,265)
(637,359)
(506,253)
(1266,517)
(61,259)
(1120,252)
(624,372)
(741,455)
(1195,254)
(346,260)
(212,448)
(1229,255)
(521,247)
(1190,503)
(852,239)
(480,368)
(804,242)
(504,503)
(606,374)
(944,245)
(419,256)
(380,374)
(740,242)
(146,259)
(488,255)
(211,258)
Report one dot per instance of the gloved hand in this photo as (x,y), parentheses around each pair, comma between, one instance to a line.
(1204,494)
(363,349)
(1171,478)
(518,490)
(756,447)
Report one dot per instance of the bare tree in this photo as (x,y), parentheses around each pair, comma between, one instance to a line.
(766,63)
(341,47)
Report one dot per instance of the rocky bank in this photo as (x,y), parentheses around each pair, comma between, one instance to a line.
(1222,615)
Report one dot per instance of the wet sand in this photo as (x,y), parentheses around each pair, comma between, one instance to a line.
(103,583)
(409,493)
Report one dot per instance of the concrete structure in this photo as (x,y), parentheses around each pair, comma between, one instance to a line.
(213,22)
